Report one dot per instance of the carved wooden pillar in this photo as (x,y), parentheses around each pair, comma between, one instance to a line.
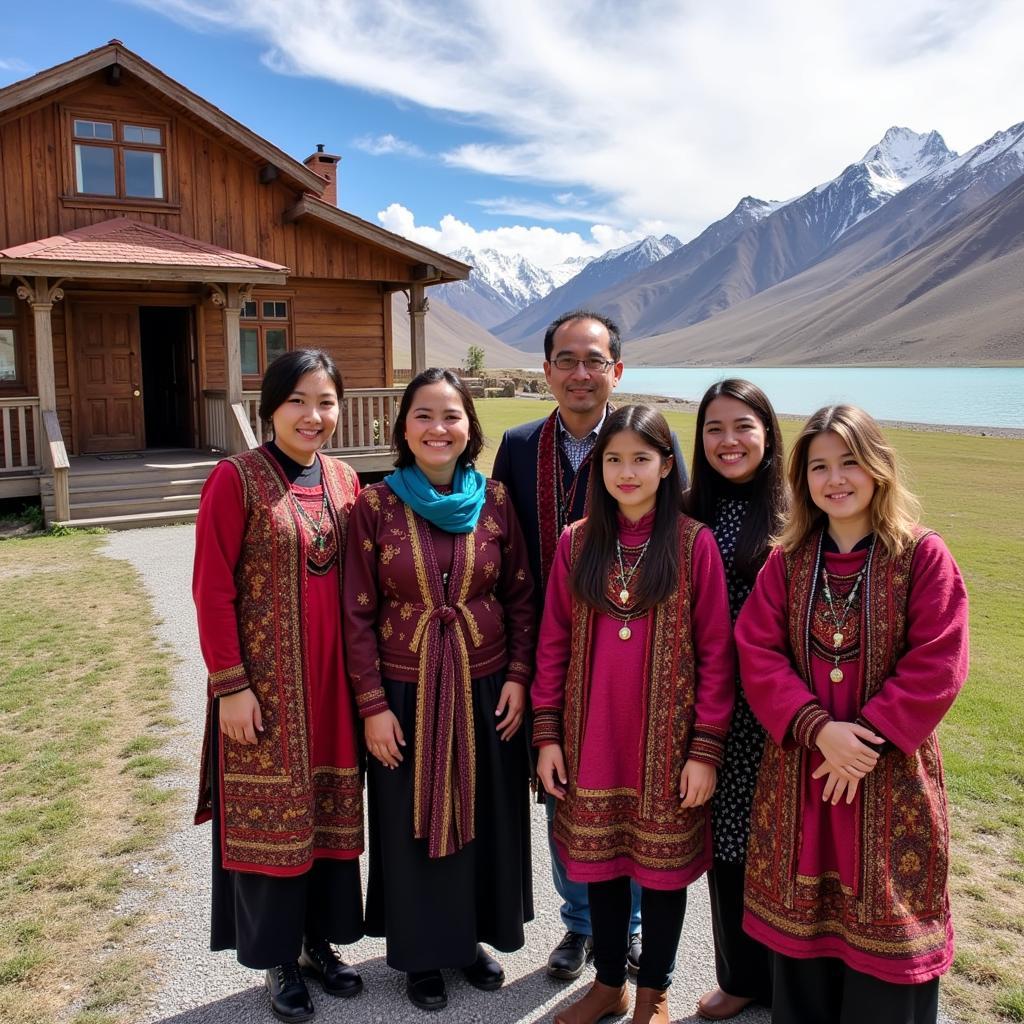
(41,295)
(418,306)
(231,298)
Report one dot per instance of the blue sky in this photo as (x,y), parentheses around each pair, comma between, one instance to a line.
(560,129)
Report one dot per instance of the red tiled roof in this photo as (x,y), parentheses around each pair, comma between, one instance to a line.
(123,241)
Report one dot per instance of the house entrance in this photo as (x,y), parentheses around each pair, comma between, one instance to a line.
(164,333)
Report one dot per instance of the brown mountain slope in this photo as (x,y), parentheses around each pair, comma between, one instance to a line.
(958,299)
(449,335)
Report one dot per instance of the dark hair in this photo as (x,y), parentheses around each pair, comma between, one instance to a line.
(660,574)
(614,337)
(435,375)
(769,498)
(284,373)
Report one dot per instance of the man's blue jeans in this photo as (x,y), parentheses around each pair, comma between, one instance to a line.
(575,909)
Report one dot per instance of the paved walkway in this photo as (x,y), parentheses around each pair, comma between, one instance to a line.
(195,986)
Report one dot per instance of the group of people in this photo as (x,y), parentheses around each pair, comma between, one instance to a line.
(737,675)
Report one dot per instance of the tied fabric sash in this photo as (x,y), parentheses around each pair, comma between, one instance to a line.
(456,512)
(444,761)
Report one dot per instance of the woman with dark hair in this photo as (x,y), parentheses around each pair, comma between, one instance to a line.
(631,700)
(280,772)
(738,489)
(439,638)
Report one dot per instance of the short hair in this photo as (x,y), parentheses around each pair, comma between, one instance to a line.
(614,335)
(435,375)
(286,370)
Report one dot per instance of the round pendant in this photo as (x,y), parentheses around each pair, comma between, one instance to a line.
(623,595)
(837,639)
(836,675)
(625,633)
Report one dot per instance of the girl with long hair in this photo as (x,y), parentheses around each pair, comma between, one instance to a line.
(632,697)
(738,488)
(853,645)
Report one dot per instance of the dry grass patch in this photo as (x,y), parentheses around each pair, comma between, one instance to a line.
(83,707)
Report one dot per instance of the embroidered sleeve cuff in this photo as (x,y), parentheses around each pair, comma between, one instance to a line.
(228,681)
(371,703)
(518,672)
(807,724)
(707,745)
(547,726)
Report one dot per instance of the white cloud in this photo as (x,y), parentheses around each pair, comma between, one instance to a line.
(545,247)
(387,145)
(15,64)
(672,110)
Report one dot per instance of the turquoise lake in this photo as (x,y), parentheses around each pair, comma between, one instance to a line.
(958,396)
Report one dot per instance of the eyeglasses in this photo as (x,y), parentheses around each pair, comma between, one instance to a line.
(593,364)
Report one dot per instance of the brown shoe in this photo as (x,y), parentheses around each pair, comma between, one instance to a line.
(651,1006)
(600,1001)
(719,1005)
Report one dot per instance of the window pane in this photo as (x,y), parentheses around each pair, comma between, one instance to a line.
(277,343)
(137,133)
(250,344)
(143,174)
(93,129)
(281,310)
(249,310)
(94,170)
(8,366)
(6,305)
(268,309)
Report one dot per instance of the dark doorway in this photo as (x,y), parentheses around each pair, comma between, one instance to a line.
(164,337)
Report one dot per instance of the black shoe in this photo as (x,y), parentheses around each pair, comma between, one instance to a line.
(319,960)
(570,956)
(485,972)
(426,990)
(636,948)
(289,998)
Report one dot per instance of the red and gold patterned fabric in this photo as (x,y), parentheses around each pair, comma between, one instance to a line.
(269,614)
(865,882)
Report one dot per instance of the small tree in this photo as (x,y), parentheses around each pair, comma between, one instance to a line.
(475,360)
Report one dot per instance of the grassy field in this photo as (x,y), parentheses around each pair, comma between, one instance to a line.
(972,489)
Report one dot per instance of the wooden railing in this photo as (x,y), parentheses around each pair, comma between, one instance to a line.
(58,459)
(215,409)
(20,435)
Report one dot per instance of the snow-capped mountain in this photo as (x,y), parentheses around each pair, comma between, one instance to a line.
(513,277)
(562,272)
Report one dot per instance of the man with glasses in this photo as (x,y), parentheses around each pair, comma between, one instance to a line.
(546,467)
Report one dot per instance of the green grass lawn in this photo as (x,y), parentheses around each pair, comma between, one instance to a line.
(972,489)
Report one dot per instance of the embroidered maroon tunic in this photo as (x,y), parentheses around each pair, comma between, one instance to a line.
(864,882)
(436,609)
(269,613)
(630,713)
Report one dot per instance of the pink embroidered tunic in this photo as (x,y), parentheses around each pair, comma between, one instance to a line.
(642,706)
(866,881)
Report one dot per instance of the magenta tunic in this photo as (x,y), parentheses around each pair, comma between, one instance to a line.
(850,858)
(612,754)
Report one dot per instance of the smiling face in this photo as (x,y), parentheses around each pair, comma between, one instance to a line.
(839,485)
(437,431)
(306,420)
(632,471)
(734,439)
(582,394)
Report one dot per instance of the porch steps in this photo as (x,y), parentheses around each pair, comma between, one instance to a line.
(131,522)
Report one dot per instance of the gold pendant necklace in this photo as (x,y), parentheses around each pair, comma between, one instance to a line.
(839,620)
(626,578)
(625,633)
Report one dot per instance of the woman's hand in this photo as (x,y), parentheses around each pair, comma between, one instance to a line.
(240,717)
(551,770)
(845,746)
(511,704)
(697,783)
(383,738)
(836,784)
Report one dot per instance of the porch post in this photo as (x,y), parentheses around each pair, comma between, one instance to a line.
(231,298)
(418,306)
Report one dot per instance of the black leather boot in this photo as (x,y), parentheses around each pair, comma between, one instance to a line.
(320,961)
(289,998)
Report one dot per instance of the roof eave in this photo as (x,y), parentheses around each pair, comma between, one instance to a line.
(80,270)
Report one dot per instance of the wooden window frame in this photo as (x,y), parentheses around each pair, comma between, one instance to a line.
(119,146)
(15,324)
(261,324)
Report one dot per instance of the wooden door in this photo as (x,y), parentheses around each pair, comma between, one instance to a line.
(109,378)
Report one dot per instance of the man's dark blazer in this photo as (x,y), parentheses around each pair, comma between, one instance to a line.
(515,465)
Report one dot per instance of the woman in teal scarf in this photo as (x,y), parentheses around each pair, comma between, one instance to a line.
(439,643)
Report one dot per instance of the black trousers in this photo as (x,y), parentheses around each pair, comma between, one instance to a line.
(743,966)
(662,912)
(265,918)
(823,990)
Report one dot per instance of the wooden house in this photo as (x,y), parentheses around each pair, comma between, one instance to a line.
(155,255)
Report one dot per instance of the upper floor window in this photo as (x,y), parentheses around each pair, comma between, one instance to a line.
(263,334)
(8,348)
(123,159)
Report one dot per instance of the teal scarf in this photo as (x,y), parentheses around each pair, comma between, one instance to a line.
(454,513)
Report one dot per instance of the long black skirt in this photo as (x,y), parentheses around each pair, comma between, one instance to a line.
(265,917)
(434,911)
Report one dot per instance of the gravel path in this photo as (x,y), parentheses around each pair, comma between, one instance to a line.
(195,986)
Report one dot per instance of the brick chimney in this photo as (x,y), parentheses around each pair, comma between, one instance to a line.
(326,165)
